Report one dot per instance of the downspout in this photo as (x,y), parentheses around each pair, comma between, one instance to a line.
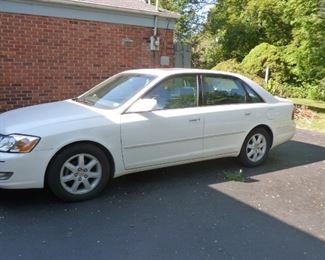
(154,40)
(155,29)
(157,5)
(156,19)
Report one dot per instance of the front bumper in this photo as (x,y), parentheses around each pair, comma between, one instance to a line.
(28,170)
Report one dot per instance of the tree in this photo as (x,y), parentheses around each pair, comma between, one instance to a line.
(242,24)
(192,17)
(306,52)
(296,27)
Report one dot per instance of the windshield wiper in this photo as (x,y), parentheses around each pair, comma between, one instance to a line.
(84,101)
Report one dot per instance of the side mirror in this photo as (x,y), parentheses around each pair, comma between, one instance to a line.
(143,105)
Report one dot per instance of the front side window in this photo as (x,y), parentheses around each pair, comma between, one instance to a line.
(218,90)
(115,91)
(176,92)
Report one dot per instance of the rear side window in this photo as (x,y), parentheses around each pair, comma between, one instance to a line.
(253,97)
(218,90)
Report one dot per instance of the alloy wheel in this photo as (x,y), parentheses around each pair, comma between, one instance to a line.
(81,173)
(256,147)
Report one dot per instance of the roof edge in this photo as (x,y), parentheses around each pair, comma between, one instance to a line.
(170,15)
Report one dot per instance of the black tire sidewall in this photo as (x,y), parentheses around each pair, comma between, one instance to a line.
(243,155)
(53,174)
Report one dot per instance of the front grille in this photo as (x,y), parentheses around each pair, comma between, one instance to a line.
(5,175)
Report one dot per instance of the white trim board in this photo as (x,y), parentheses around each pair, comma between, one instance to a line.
(84,13)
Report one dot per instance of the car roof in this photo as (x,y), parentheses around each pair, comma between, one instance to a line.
(165,72)
(173,71)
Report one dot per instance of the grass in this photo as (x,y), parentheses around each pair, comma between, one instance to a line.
(310,103)
(234,176)
(317,123)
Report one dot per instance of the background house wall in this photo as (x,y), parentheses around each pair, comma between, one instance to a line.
(45,58)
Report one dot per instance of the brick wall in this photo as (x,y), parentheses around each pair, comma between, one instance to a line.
(45,58)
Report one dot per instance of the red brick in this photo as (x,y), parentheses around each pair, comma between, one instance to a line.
(44,59)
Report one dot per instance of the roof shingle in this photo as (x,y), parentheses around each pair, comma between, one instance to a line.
(136,6)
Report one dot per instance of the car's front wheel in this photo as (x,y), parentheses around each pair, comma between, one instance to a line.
(79,172)
(255,148)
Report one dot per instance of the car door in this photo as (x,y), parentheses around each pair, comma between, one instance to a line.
(172,131)
(228,114)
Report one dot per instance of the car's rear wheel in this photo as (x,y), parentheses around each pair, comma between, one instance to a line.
(255,148)
(79,172)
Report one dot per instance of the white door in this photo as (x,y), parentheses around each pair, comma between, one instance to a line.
(229,113)
(173,131)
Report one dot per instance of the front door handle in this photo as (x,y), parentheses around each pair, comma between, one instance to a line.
(194,120)
(248,113)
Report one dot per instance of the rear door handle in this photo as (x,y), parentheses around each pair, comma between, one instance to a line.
(194,120)
(248,113)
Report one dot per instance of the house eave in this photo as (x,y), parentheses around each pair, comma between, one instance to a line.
(86,11)
(169,15)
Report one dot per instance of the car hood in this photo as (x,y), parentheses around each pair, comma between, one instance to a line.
(25,120)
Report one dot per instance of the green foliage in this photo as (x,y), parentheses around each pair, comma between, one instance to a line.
(206,53)
(246,36)
(234,175)
(230,31)
(241,25)
(287,36)
(192,17)
(234,40)
(314,92)
(234,66)
(229,65)
(268,17)
(266,55)
(306,52)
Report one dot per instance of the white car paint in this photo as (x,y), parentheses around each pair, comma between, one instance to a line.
(181,139)
(140,141)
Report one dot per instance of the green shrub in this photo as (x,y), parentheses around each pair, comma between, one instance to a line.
(304,91)
(276,85)
(267,55)
(293,92)
(229,65)
(236,67)
(316,92)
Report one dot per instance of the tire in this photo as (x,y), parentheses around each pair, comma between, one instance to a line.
(79,172)
(255,148)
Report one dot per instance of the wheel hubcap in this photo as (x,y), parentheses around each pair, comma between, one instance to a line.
(80,174)
(256,147)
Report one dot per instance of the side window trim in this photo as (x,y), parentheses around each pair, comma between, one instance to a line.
(200,89)
(240,83)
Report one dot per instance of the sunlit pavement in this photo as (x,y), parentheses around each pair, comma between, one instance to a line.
(183,212)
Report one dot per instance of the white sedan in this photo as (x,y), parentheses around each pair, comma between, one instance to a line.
(139,120)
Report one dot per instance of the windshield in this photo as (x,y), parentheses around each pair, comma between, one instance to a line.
(115,91)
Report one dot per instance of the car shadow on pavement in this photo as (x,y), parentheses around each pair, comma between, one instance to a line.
(170,213)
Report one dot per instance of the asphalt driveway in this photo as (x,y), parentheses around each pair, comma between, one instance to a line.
(183,212)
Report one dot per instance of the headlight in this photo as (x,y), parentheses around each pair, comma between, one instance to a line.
(18,143)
